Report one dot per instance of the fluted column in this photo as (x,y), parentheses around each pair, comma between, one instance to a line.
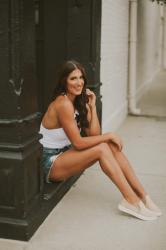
(20,172)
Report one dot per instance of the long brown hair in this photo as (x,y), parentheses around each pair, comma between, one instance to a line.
(82,99)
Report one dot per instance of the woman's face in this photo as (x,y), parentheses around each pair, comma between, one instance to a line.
(75,83)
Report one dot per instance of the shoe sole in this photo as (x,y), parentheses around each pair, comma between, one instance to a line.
(157,213)
(135,214)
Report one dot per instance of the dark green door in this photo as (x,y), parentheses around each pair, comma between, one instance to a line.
(67,29)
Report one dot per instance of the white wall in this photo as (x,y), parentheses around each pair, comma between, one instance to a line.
(164,60)
(148,42)
(114,56)
(114,62)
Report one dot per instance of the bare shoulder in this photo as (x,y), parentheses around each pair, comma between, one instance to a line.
(63,103)
(58,109)
(54,106)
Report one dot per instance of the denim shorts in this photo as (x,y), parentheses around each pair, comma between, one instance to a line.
(48,157)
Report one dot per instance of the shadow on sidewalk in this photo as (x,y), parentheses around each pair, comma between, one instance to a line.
(153,102)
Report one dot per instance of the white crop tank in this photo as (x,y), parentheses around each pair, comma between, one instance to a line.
(54,138)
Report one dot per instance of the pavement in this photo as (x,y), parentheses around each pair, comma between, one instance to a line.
(87,217)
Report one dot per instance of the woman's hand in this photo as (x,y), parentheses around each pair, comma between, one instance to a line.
(92,98)
(115,139)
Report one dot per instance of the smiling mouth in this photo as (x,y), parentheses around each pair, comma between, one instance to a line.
(78,89)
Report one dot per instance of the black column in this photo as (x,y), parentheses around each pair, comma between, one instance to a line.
(20,172)
(64,29)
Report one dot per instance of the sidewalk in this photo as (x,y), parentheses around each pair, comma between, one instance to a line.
(87,218)
(153,102)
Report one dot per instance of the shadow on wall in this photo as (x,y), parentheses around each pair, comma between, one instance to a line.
(153,102)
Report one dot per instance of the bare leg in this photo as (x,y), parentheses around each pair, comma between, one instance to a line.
(128,171)
(73,161)
(133,180)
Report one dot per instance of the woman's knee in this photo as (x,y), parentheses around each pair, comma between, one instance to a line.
(114,148)
(104,149)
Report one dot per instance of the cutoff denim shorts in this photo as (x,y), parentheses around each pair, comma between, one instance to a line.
(48,157)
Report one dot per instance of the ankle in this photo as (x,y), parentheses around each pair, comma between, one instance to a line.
(134,201)
(144,198)
(142,195)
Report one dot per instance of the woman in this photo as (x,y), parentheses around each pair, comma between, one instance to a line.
(66,152)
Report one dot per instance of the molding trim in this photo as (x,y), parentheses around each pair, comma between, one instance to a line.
(29,118)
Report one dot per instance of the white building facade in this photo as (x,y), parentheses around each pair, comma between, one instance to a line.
(132,53)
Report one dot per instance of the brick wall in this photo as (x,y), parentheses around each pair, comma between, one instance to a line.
(114,61)
(114,55)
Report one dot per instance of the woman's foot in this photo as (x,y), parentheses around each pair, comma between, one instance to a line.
(138,210)
(151,205)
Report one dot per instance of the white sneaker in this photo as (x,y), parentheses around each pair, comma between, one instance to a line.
(139,210)
(151,206)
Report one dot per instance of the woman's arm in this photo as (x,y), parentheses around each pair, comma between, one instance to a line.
(94,126)
(65,115)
